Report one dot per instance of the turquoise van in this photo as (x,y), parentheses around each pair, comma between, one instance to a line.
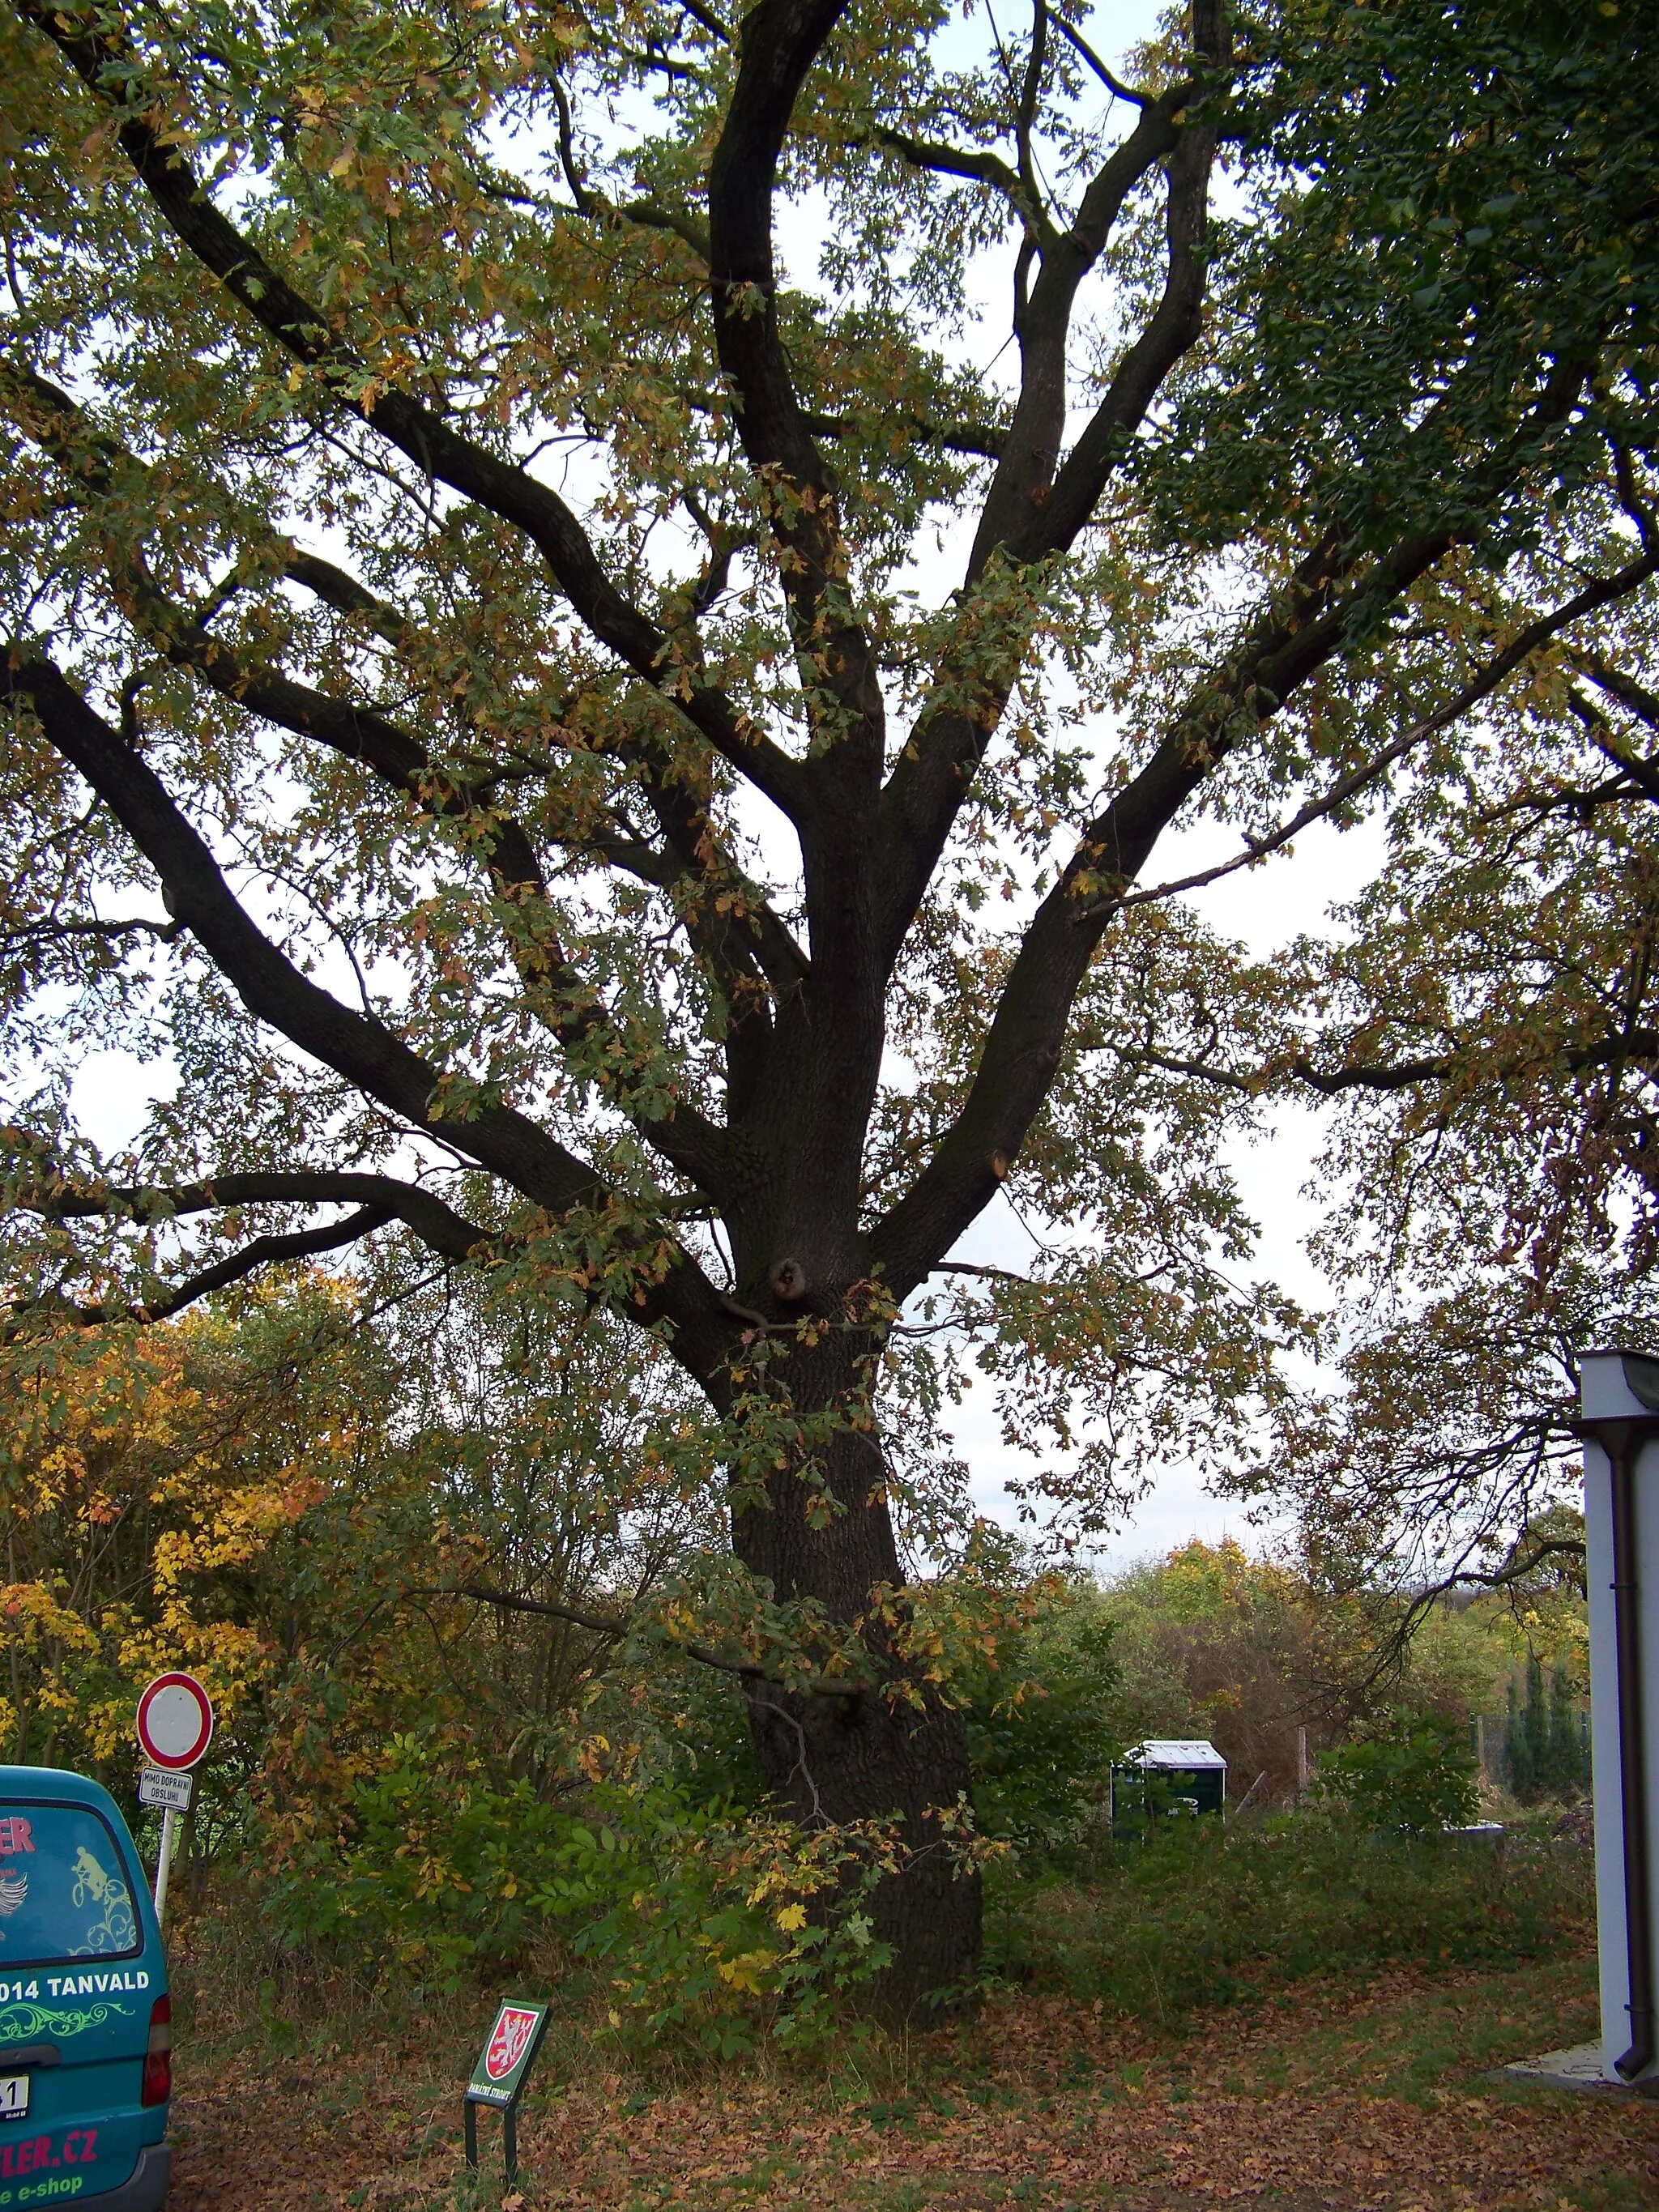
(86,2036)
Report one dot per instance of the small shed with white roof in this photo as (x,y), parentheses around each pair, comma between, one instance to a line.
(1191,1770)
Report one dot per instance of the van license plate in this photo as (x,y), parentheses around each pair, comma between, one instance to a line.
(13,2096)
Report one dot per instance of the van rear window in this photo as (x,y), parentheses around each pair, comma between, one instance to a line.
(64,1890)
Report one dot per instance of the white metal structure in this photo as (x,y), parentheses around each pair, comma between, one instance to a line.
(1620,1405)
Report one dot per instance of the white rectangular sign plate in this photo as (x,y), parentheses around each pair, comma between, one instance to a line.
(157,1787)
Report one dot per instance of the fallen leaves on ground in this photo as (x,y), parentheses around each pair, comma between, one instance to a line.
(1371,2100)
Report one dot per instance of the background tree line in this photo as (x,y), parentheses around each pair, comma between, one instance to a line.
(413,1775)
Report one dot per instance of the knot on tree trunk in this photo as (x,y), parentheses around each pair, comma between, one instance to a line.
(789,1281)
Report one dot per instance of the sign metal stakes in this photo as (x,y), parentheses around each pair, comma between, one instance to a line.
(499,2077)
(174,1727)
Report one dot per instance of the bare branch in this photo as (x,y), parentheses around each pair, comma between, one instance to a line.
(1502,665)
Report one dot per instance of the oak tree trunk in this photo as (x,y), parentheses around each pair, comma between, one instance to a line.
(879,1755)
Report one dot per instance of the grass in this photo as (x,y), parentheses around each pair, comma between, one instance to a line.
(1293,2014)
(1205,1915)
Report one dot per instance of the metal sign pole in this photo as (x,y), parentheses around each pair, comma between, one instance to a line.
(174,1727)
(163,1860)
(499,2077)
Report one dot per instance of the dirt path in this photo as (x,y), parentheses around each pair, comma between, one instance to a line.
(1373,2102)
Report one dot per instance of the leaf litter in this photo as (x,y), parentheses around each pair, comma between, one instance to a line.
(1370,2099)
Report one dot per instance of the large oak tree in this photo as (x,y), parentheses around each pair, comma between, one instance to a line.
(525,700)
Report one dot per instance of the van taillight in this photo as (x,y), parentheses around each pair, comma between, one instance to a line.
(158,2057)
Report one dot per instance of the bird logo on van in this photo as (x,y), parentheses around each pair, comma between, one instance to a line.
(14,1888)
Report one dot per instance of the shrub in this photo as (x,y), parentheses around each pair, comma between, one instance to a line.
(704,1919)
(428,1871)
(1418,1779)
(1042,1728)
(1544,1755)
(719,1924)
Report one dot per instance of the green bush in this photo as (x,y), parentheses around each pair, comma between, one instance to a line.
(1043,1727)
(1418,1779)
(715,1924)
(429,1872)
(702,1918)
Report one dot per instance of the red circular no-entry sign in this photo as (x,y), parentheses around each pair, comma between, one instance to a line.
(175,1722)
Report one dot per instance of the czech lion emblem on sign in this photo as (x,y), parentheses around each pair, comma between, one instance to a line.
(512,2034)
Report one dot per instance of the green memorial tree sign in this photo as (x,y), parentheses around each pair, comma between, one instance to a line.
(499,2078)
(607,750)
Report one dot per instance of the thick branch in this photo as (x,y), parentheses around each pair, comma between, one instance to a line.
(1114,84)
(1029,513)
(1635,698)
(1018,511)
(342,591)
(235,1268)
(51,932)
(1305,626)
(105,66)
(358,1049)
(1028,91)
(618,1625)
(1023,1048)
(557,989)
(1637,1044)
(973,164)
(1642,772)
(434,1222)
(780,40)
(1173,328)
(954,437)
(1501,666)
